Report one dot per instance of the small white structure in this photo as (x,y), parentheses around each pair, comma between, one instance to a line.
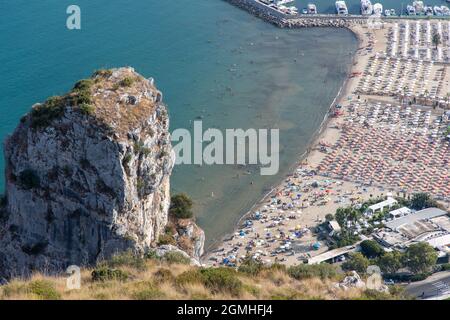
(334,227)
(378,207)
(400,213)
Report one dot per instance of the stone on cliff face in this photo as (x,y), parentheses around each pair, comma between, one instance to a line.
(87,176)
(162,250)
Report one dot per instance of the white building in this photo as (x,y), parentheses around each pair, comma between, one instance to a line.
(398,213)
(380,206)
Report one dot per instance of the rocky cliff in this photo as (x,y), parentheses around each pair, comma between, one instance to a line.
(87,175)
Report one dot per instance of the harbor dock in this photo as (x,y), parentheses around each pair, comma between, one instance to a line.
(284,20)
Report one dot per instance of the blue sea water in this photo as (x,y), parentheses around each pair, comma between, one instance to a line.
(209,58)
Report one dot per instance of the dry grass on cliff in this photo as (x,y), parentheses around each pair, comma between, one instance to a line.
(153,279)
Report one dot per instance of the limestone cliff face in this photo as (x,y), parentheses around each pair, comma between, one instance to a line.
(188,236)
(87,175)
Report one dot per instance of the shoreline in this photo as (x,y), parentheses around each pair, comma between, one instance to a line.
(361,150)
(314,141)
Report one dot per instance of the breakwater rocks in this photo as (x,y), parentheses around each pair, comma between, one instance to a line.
(322,22)
(282,20)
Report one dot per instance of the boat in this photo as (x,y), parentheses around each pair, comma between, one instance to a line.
(341,7)
(393,13)
(304,11)
(419,6)
(437,10)
(428,10)
(378,9)
(387,12)
(284,2)
(366,7)
(445,11)
(410,10)
(312,9)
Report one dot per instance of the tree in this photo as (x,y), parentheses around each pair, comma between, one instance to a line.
(357,262)
(421,201)
(329,217)
(180,206)
(436,39)
(371,249)
(420,257)
(390,262)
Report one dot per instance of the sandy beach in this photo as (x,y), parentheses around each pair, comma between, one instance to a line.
(338,169)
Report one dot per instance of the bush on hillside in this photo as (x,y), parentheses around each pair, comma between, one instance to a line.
(44,290)
(181,206)
(215,279)
(42,115)
(305,271)
(107,274)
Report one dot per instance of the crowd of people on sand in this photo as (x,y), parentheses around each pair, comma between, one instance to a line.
(282,229)
(415,40)
(395,146)
(368,149)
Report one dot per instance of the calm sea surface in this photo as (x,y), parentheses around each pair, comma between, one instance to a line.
(210,59)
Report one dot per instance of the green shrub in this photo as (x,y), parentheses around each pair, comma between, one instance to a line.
(445,267)
(189,277)
(422,200)
(420,257)
(83,85)
(80,98)
(304,271)
(181,206)
(44,289)
(251,267)
(357,262)
(106,274)
(127,82)
(371,249)
(215,279)
(276,267)
(176,257)
(221,280)
(419,277)
(166,239)
(42,115)
(87,109)
(29,179)
(128,259)
(151,255)
(149,293)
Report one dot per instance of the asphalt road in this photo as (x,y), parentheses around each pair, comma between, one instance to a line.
(435,285)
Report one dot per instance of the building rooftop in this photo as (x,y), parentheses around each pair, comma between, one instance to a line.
(331,254)
(400,212)
(389,202)
(419,215)
(442,241)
